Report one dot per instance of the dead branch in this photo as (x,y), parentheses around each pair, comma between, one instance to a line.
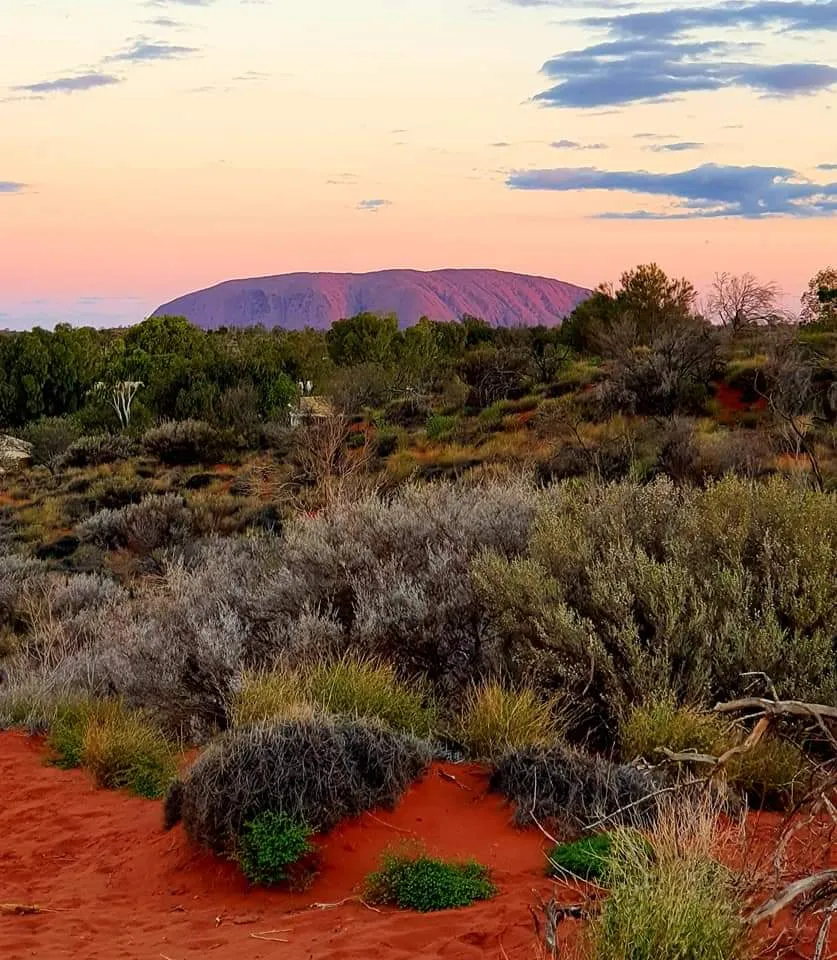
(807,886)
(19,909)
(779,708)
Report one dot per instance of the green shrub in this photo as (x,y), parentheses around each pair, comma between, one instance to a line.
(369,688)
(588,858)
(123,749)
(771,773)
(187,442)
(439,426)
(96,449)
(494,720)
(271,843)
(418,882)
(646,728)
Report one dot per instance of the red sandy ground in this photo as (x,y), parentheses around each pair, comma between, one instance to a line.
(113,885)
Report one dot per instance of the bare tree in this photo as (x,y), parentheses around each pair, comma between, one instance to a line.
(120,395)
(324,460)
(742,301)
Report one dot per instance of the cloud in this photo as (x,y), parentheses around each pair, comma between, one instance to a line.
(799,15)
(708,191)
(679,146)
(575,145)
(653,55)
(827,166)
(75,84)
(11,186)
(143,50)
(631,70)
(373,206)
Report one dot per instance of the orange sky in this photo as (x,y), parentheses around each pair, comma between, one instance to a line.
(221,138)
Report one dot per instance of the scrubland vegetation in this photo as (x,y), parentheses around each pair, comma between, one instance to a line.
(549,551)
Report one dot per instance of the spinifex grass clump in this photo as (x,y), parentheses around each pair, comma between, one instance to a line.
(370,688)
(120,747)
(315,771)
(671,900)
(350,687)
(270,845)
(495,719)
(418,882)
(564,785)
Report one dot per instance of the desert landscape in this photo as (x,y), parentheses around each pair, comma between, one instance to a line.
(418,480)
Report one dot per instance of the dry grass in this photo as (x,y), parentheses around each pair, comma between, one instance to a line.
(495,720)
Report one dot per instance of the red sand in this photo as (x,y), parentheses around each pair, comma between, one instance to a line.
(121,887)
(114,885)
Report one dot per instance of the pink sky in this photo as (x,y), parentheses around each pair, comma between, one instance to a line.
(152,148)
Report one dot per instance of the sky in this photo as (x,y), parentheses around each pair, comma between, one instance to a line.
(149,148)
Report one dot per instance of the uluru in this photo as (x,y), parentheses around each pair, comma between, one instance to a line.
(294,301)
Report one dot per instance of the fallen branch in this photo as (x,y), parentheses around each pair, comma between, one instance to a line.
(267,935)
(800,888)
(779,708)
(330,906)
(19,909)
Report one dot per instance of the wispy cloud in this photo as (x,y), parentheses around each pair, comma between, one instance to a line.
(11,186)
(708,191)
(827,166)
(373,206)
(575,145)
(143,50)
(678,146)
(72,84)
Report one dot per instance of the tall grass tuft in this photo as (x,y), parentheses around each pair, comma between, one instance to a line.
(371,688)
(495,720)
(122,749)
(646,728)
(670,900)
(269,695)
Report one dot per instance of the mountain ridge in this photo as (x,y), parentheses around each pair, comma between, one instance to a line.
(294,301)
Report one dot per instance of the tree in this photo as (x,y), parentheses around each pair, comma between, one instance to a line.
(819,302)
(119,394)
(741,301)
(365,338)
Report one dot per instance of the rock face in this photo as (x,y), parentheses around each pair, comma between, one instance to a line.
(294,301)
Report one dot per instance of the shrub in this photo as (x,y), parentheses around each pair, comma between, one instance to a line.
(51,437)
(368,688)
(646,728)
(670,900)
(418,882)
(569,787)
(145,526)
(186,442)
(439,426)
(495,720)
(771,773)
(315,771)
(122,749)
(588,858)
(98,449)
(270,844)
(407,412)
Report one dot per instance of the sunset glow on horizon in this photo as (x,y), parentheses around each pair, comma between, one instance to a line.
(154,147)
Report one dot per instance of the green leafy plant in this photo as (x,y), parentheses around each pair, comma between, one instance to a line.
(419,882)
(271,843)
(588,858)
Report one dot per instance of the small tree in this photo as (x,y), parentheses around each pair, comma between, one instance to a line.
(742,301)
(819,302)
